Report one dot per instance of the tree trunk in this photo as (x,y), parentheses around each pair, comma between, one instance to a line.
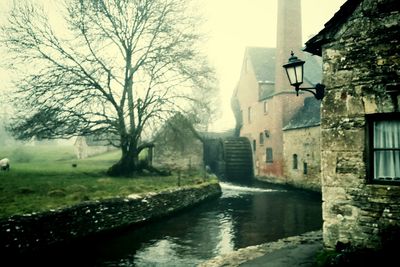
(127,165)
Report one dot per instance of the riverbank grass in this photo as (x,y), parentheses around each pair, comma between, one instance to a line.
(47,178)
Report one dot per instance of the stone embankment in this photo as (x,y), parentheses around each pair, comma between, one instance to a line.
(31,232)
(249,255)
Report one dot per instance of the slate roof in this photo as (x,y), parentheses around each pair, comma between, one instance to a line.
(308,116)
(93,140)
(312,68)
(331,27)
(263,61)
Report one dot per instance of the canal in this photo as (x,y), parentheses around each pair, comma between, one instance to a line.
(244,215)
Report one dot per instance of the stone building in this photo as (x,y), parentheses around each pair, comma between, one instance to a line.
(87,146)
(360,124)
(177,146)
(263,101)
(301,147)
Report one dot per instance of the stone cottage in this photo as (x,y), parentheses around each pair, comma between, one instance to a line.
(301,147)
(360,124)
(86,146)
(263,101)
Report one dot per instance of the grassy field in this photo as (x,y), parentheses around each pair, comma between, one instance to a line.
(42,178)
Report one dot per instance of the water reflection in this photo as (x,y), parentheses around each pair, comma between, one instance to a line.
(243,216)
(226,235)
(230,190)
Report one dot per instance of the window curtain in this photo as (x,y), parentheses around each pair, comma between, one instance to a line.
(387,150)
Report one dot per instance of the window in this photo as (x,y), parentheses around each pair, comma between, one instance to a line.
(265,107)
(305,168)
(254,145)
(384,147)
(295,163)
(261,138)
(268,155)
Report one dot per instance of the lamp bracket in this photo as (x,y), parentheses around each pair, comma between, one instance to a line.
(319,90)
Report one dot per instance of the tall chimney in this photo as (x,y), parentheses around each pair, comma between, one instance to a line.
(289,34)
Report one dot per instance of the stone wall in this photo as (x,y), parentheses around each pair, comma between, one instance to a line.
(177,147)
(361,62)
(35,231)
(245,256)
(305,143)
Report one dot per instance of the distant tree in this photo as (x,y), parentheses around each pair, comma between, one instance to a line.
(114,68)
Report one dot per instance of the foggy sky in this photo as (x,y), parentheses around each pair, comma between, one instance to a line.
(231,26)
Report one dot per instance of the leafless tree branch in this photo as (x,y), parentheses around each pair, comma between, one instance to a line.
(117,69)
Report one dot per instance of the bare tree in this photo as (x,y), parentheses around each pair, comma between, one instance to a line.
(115,69)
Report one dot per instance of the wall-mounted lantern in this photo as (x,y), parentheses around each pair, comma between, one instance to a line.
(295,70)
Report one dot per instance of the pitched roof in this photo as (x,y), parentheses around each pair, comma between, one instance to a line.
(93,140)
(308,116)
(312,68)
(331,27)
(263,61)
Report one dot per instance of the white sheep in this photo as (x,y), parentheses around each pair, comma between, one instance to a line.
(5,164)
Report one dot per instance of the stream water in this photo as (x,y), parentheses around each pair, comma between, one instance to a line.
(244,215)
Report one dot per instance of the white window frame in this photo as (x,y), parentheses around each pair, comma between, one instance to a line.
(379,146)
